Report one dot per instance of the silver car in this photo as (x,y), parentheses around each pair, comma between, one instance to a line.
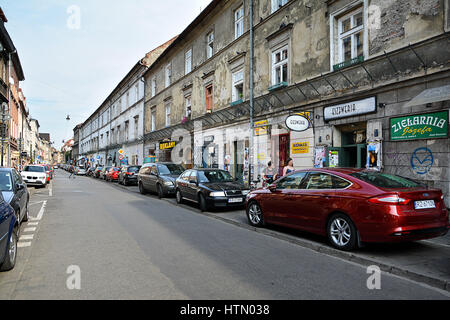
(81,171)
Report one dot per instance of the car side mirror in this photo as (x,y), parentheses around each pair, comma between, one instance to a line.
(272,188)
(193,182)
(20,187)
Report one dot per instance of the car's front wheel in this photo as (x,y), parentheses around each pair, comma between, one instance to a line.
(255,215)
(141,188)
(179,197)
(342,232)
(160,192)
(202,203)
(11,253)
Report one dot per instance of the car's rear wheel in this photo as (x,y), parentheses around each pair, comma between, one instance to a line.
(179,197)
(255,215)
(11,253)
(141,188)
(342,232)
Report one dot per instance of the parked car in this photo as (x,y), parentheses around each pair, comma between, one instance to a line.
(80,171)
(97,172)
(351,206)
(15,192)
(103,172)
(159,178)
(9,233)
(90,172)
(112,174)
(35,175)
(129,175)
(210,188)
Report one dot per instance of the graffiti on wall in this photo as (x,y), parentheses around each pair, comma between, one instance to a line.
(422,160)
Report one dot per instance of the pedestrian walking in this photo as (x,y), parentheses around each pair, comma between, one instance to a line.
(72,172)
(289,167)
(270,174)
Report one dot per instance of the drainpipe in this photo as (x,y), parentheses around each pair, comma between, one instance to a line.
(250,152)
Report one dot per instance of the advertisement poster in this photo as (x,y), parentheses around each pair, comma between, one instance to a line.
(300,148)
(334,159)
(319,157)
(374,156)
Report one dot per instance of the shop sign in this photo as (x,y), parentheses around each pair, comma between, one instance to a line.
(423,126)
(261,128)
(350,109)
(297,123)
(167,145)
(300,147)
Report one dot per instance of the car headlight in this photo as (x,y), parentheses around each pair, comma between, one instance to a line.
(245,192)
(217,194)
(168,183)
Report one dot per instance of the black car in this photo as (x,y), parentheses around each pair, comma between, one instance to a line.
(90,172)
(15,192)
(210,188)
(159,178)
(128,175)
(9,229)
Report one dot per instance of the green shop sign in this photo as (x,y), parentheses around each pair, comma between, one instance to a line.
(422,126)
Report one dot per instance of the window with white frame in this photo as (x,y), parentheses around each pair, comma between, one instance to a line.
(280,64)
(238,85)
(128,99)
(210,45)
(351,36)
(136,89)
(168,75)
(153,119)
(277,4)
(167,114)
(188,61)
(154,86)
(188,104)
(136,127)
(239,22)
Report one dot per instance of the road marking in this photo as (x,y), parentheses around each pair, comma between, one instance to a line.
(26,237)
(32,223)
(29,230)
(41,212)
(32,204)
(50,192)
(436,243)
(23,244)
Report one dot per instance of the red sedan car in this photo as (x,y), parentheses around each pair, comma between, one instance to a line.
(112,174)
(351,206)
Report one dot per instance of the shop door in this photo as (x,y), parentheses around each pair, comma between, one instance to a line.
(239,160)
(285,151)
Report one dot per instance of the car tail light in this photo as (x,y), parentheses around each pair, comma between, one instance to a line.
(390,199)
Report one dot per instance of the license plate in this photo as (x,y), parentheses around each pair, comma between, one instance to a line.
(426,204)
(235,200)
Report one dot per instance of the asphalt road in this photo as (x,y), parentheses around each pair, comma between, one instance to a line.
(129,246)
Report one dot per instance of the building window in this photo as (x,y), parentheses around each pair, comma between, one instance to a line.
(154,86)
(168,115)
(128,99)
(168,75)
(238,85)
(280,62)
(277,4)
(153,119)
(210,45)
(351,36)
(188,61)
(136,89)
(239,22)
(209,98)
(188,104)
(127,129)
(136,127)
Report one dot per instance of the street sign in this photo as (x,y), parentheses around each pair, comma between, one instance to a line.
(121,157)
(121,151)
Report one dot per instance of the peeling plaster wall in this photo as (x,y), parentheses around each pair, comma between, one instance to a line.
(405,21)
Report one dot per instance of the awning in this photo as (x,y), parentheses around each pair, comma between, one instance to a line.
(430,96)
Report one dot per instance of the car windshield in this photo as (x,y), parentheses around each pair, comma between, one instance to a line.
(34,169)
(214,176)
(5,181)
(116,169)
(170,169)
(384,180)
(134,169)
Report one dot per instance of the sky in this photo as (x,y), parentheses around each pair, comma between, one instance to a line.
(75,52)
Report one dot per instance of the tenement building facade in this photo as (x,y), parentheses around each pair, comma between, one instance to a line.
(348,83)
